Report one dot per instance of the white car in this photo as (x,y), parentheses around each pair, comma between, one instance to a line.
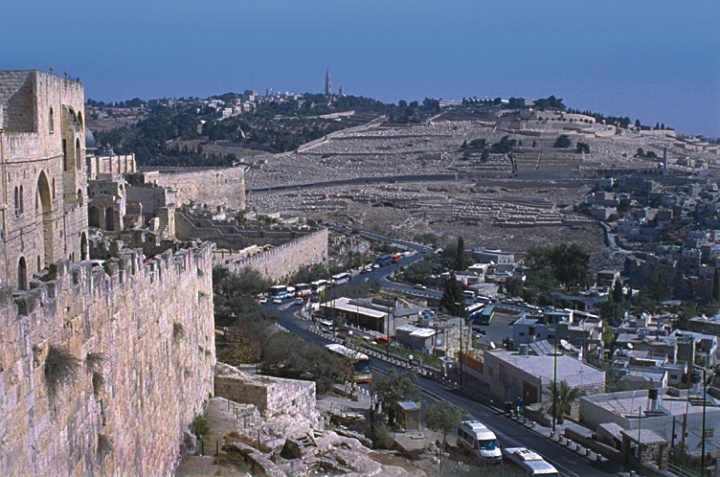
(262,300)
(277,300)
(299,301)
(419,286)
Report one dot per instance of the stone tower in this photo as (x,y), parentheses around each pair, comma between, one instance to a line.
(44,182)
(328,84)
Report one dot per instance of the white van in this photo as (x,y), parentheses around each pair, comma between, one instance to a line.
(476,438)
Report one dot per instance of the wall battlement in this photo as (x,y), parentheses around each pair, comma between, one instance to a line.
(152,325)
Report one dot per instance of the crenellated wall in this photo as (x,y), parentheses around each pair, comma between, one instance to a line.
(149,326)
(213,186)
(281,262)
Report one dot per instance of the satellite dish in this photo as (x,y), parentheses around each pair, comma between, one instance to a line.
(564,344)
(630,346)
(492,345)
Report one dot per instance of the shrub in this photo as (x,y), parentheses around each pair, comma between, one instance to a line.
(98,381)
(178,331)
(381,437)
(61,367)
(94,360)
(201,425)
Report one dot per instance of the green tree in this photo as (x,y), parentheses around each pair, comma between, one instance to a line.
(396,387)
(247,281)
(688,310)
(563,141)
(460,255)
(581,147)
(453,300)
(566,397)
(617,292)
(443,417)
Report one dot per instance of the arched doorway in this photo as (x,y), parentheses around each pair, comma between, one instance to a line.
(22,274)
(43,186)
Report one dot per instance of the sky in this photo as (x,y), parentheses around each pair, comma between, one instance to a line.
(653,60)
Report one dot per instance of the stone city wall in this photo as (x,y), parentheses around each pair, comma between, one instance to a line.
(218,186)
(140,344)
(281,262)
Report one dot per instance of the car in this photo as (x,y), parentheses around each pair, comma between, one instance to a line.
(262,300)
(419,286)
(364,271)
(299,301)
(277,300)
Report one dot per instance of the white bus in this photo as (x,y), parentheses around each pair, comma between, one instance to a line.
(278,291)
(340,279)
(530,462)
(318,286)
(480,441)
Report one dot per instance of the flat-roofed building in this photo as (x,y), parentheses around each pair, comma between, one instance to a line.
(510,375)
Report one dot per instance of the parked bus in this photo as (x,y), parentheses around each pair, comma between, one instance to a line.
(480,441)
(396,257)
(290,292)
(384,260)
(340,279)
(303,289)
(318,286)
(278,291)
(469,294)
(486,315)
(354,363)
(530,462)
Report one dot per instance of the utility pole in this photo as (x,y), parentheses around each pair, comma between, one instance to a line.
(702,455)
(639,447)
(555,382)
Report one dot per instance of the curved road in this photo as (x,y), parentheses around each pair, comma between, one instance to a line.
(508,431)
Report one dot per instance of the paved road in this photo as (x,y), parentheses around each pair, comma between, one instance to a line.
(508,431)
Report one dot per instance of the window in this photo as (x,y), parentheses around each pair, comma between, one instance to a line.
(16,195)
(51,121)
(22,274)
(78,156)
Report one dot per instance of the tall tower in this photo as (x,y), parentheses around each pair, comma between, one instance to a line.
(328,84)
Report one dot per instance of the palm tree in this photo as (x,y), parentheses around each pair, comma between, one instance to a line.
(566,396)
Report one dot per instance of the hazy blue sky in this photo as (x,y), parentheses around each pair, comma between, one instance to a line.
(655,60)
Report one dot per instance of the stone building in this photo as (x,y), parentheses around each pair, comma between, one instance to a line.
(42,149)
(89,351)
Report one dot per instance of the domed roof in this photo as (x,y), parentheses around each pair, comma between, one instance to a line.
(89,139)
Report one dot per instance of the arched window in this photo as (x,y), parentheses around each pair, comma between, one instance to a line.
(22,201)
(22,274)
(78,156)
(51,121)
(80,118)
(65,164)
(80,197)
(17,201)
